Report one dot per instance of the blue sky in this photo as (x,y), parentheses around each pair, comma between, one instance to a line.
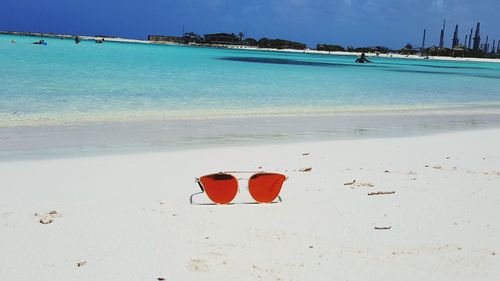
(347,22)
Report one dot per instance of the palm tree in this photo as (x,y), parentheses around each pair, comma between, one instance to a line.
(241,35)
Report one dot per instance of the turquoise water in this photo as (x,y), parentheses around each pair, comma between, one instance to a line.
(68,83)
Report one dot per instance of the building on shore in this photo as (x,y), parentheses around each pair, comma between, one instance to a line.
(486,46)
(192,37)
(423,40)
(470,39)
(477,38)
(188,37)
(441,37)
(223,38)
(455,42)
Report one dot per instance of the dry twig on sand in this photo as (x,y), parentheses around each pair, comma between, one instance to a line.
(381,193)
(382,227)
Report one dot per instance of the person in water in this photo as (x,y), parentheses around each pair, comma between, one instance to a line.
(362,59)
(77,40)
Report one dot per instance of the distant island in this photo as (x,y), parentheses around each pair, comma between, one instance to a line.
(239,40)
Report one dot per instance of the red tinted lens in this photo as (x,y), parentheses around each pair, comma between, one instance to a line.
(265,187)
(220,188)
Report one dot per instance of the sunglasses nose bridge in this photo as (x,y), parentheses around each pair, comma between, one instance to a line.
(240,181)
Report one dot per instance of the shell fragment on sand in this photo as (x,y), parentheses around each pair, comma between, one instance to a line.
(355,183)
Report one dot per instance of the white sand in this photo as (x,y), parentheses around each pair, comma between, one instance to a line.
(128,217)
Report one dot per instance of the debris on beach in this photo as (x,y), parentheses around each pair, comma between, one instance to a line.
(198,265)
(81,263)
(46,220)
(160,279)
(437,167)
(305,154)
(48,217)
(306,169)
(382,227)
(381,193)
(355,183)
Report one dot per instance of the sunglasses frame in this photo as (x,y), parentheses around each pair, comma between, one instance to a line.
(198,181)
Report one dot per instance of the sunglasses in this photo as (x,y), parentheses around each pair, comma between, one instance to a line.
(221,188)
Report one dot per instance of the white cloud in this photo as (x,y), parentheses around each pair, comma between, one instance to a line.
(438,5)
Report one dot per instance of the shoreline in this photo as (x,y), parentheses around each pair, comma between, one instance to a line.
(249,48)
(176,135)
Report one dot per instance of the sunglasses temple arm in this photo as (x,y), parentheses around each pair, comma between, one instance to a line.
(194,194)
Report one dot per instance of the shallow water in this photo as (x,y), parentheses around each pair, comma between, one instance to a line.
(68,83)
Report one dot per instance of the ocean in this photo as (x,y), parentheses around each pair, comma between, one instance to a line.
(65,84)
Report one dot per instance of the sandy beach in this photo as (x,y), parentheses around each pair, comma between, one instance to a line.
(399,208)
